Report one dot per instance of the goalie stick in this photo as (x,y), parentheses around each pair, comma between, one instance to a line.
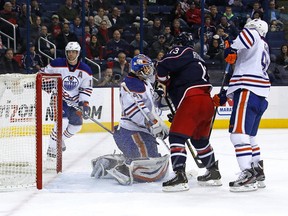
(123,84)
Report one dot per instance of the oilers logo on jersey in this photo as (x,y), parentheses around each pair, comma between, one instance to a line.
(70,83)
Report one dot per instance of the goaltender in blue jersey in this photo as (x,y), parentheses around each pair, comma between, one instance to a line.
(77,89)
(136,134)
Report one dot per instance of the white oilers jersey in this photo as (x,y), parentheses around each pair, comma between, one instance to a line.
(252,62)
(141,94)
(77,80)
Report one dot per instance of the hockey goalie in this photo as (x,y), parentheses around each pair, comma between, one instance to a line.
(137,131)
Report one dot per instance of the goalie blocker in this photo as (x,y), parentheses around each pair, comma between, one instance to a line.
(126,171)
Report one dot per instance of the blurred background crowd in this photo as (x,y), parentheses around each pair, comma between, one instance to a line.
(111,32)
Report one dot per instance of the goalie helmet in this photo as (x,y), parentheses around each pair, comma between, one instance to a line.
(142,66)
(72,46)
(258,24)
(184,39)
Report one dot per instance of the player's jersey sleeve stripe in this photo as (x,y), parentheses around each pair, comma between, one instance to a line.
(247,38)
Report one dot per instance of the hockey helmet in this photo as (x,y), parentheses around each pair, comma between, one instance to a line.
(70,47)
(142,66)
(258,24)
(184,39)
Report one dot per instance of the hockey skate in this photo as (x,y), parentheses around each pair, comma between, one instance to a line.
(178,183)
(260,176)
(245,182)
(212,177)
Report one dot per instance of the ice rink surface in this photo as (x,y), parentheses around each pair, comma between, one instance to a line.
(75,193)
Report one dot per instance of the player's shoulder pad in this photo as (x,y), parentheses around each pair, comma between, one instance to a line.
(58,62)
(83,66)
(134,84)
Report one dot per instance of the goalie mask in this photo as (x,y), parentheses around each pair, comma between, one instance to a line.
(260,26)
(72,46)
(142,66)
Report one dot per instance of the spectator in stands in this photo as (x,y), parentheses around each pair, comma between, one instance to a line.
(66,12)
(108,79)
(94,48)
(76,27)
(215,51)
(135,44)
(8,64)
(11,17)
(256,15)
(63,39)
(215,15)
(128,16)
(282,58)
(275,25)
(103,34)
(56,26)
(193,16)
(176,27)
(120,67)
(88,11)
(231,18)
(45,46)
(105,4)
(179,12)
(197,47)
(169,37)
(136,52)
(273,12)
(209,30)
(22,19)
(157,46)
(32,63)
(35,28)
(116,45)
(222,35)
(156,30)
(256,8)
(100,17)
(116,19)
(229,29)
(159,57)
(93,27)
(36,9)
(15,7)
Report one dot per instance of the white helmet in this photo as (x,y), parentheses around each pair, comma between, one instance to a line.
(258,24)
(72,46)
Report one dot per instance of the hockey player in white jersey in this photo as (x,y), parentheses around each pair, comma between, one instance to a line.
(248,87)
(136,134)
(77,89)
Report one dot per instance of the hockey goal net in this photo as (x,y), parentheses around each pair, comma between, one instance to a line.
(30,106)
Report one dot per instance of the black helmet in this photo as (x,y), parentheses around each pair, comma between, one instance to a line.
(184,39)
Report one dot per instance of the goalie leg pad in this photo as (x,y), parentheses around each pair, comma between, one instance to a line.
(101,164)
(150,169)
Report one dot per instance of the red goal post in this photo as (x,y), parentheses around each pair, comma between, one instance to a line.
(30,106)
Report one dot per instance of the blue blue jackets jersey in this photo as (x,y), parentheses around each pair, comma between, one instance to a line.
(184,68)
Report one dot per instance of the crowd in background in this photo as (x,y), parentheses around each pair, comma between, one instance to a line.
(112,34)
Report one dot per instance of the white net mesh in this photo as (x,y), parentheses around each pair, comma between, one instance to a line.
(18,144)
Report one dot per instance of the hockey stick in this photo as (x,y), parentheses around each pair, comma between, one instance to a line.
(221,89)
(87,116)
(123,84)
(188,143)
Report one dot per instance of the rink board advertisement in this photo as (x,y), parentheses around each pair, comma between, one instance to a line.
(105,109)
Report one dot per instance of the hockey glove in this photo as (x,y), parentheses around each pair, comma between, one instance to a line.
(230,54)
(84,106)
(220,99)
(159,130)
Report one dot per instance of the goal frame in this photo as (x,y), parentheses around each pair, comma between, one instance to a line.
(39,134)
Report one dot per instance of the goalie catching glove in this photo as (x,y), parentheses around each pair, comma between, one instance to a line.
(84,106)
(159,129)
(220,99)
(230,54)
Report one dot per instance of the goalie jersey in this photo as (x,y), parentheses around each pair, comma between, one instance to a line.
(251,66)
(77,80)
(141,94)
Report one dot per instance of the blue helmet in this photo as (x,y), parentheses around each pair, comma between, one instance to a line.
(184,39)
(142,66)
